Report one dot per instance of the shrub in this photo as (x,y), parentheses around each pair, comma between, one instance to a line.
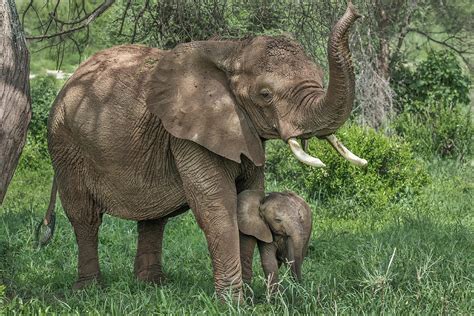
(437,129)
(439,77)
(43,92)
(433,103)
(392,172)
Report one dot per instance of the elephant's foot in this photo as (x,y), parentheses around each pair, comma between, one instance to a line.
(147,266)
(151,275)
(233,293)
(83,282)
(148,270)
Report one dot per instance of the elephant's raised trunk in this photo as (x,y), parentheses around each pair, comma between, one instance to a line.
(332,109)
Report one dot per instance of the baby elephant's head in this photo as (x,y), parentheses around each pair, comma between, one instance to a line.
(283,218)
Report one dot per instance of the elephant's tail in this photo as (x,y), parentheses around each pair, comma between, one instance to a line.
(45,229)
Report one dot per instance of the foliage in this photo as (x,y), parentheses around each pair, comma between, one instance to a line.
(165,24)
(43,92)
(392,172)
(439,77)
(433,103)
(437,129)
(2,292)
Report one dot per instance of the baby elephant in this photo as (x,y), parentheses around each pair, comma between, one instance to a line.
(280,223)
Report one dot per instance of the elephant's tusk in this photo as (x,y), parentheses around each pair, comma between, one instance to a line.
(302,156)
(344,152)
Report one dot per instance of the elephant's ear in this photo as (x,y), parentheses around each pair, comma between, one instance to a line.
(248,215)
(189,91)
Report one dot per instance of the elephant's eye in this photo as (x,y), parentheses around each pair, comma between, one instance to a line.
(266,94)
(278,220)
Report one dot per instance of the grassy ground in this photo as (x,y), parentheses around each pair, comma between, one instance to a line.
(416,257)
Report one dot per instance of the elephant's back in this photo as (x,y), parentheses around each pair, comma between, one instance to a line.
(102,102)
(108,84)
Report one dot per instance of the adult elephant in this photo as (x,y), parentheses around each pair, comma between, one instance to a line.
(144,134)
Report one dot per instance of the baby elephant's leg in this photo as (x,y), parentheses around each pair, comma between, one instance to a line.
(247,247)
(269,263)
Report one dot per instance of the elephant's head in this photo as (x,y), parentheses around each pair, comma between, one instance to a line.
(280,217)
(229,95)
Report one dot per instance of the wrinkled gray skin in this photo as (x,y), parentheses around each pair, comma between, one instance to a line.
(145,134)
(280,224)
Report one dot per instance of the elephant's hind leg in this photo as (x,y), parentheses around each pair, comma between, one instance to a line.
(85,217)
(88,258)
(148,259)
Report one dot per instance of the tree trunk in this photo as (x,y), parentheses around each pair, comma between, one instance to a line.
(383,58)
(15,101)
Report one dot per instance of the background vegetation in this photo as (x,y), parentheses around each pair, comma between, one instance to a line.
(396,237)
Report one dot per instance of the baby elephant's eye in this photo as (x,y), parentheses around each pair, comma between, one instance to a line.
(266,94)
(278,220)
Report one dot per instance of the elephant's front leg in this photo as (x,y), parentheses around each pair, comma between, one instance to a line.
(211,194)
(149,249)
(215,212)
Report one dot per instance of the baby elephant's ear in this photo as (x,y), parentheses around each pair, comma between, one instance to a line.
(248,215)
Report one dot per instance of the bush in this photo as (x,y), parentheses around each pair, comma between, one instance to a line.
(43,92)
(439,77)
(440,129)
(433,103)
(392,172)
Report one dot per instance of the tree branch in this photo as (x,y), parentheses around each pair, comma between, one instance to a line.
(84,22)
(124,16)
(443,43)
(140,15)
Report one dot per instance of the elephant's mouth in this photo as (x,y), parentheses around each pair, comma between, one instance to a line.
(301,155)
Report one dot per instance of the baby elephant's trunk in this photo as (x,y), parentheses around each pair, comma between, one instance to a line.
(45,229)
(295,256)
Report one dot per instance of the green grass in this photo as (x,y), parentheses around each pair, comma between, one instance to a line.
(414,258)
